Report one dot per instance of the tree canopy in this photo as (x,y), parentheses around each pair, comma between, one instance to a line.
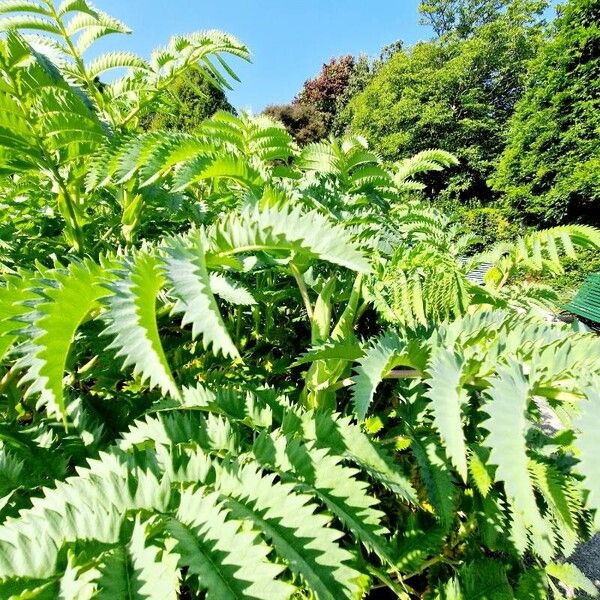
(456,94)
(312,114)
(191,100)
(462,17)
(550,170)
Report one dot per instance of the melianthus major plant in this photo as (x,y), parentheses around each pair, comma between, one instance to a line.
(282,383)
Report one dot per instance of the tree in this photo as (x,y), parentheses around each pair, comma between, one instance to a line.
(304,122)
(312,114)
(455,94)
(327,87)
(550,170)
(362,73)
(461,17)
(364,70)
(190,100)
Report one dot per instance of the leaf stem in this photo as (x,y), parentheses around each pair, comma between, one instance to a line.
(79,62)
(398,588)
(303,291)
(77,233)
(8,377)
(404,373)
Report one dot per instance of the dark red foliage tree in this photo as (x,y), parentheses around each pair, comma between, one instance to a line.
(323,91)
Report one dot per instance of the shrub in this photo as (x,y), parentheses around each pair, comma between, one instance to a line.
(304,122)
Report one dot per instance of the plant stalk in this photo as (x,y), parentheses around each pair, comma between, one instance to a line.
(303,291)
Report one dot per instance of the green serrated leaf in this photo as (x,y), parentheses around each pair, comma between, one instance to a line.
(185,270)
(448,398)
(138,570)
(507,425)
(289,520)
(570,576)
(63,304)
(131,319)
(588,443)
(376,363)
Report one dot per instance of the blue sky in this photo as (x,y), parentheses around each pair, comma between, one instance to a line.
(289,40)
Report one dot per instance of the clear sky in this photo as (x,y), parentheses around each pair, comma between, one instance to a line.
(289,39)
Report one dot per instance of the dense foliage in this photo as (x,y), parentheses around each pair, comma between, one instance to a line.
(454,93)
(313,114)
(304,122)
(191,100)
(512,95)
(233,367)
(460,17)
(324,91)
(550,168)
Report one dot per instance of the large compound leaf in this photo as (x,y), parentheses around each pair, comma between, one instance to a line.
(90,506)
(185,270)
(131,319)
(345,438)
(308,235)
(298,534)
(321,473)
(508,425)
(447,399)
(229,562)
(64,301)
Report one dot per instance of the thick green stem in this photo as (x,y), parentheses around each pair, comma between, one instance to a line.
(399,588)
(78,241)
(80,64)
(303,291)
(394,374)
(361,309)
(8,378)
(238,325)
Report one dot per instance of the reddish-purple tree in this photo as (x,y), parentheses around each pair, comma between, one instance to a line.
(323,91)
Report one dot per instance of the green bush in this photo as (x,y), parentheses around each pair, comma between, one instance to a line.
(488,225)
(568,282)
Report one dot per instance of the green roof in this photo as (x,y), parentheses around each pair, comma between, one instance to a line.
(586,303)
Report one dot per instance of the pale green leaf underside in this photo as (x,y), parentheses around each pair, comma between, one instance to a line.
(447,399)
(588,443)
(131,319)
(377,361)
(185,271)
(507,425)
(62,306)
